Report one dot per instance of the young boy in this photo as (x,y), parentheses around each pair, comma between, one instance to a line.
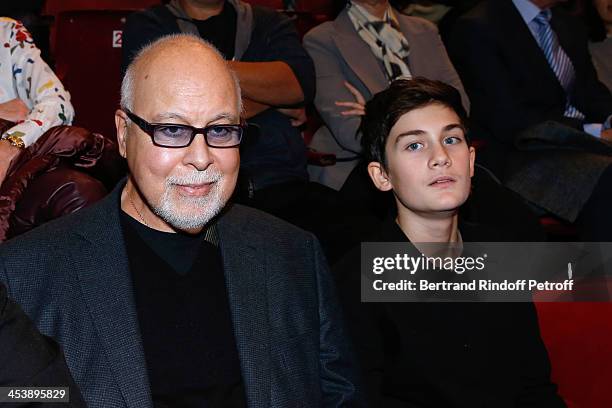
(414,140)
(436,354)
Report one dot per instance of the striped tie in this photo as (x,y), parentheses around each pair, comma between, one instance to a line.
(557,59)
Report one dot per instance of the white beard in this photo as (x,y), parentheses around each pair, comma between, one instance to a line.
(187,213)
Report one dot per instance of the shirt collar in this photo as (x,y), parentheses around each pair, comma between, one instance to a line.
(212,234)
(527,10)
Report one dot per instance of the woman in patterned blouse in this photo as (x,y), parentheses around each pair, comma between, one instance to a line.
(30,94)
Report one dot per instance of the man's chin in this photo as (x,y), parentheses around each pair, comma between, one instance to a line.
(188,223)
(188,217)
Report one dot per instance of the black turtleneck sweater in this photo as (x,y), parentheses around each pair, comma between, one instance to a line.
(184,316)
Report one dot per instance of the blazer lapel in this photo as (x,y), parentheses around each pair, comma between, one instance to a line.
(103,271)
(566,40)
(244,27)
(246,275)
(358,54)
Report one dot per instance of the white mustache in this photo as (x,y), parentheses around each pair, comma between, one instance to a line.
(209,175)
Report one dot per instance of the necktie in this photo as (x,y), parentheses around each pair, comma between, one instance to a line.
(557,59)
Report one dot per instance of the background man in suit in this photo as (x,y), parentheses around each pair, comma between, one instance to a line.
(527,70)
(502,51)
(163,296)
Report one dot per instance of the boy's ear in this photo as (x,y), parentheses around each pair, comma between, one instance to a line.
(379,176)
(472,160)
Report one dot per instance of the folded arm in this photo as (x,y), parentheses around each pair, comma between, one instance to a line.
(331,88)
(269,83)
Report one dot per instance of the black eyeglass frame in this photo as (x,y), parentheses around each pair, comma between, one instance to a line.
(149,129)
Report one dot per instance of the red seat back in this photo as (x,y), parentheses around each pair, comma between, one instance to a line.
(315,6)
(55,7)
(88,61)
(305,21)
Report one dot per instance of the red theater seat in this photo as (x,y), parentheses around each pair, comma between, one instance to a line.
(578,338)
(315,6)
(85,44)
(54,7)
(88,61)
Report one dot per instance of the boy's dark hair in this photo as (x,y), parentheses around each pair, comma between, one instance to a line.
(401,97)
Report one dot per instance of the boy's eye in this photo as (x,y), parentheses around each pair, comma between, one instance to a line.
(452,140)
(414,146)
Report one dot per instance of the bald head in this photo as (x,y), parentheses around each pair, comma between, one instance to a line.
(178,82)
(175,57)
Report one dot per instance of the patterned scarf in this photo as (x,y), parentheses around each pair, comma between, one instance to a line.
(385,39)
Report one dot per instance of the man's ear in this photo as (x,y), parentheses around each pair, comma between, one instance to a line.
(121,122)
(379,176)
(472,160)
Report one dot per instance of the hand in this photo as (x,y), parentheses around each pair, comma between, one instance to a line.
(14,110)
(607,135)
(357,108)
(8,153)
(297,115)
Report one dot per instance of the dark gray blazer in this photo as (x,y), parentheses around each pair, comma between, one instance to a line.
(71,276)
(339,55)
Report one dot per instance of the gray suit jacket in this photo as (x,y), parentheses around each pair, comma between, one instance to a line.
(339,55)
(71,276)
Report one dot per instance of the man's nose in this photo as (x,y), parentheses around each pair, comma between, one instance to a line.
(198,154)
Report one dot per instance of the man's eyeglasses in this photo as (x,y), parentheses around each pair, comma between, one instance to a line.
(175,135)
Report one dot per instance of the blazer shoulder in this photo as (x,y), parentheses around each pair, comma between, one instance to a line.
(59,230)
(250,217)
(417,25)
(321,33)
(254,220)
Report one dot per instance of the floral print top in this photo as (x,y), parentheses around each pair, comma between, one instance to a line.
(24,75)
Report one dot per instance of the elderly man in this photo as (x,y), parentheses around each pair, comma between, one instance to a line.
(162,295)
